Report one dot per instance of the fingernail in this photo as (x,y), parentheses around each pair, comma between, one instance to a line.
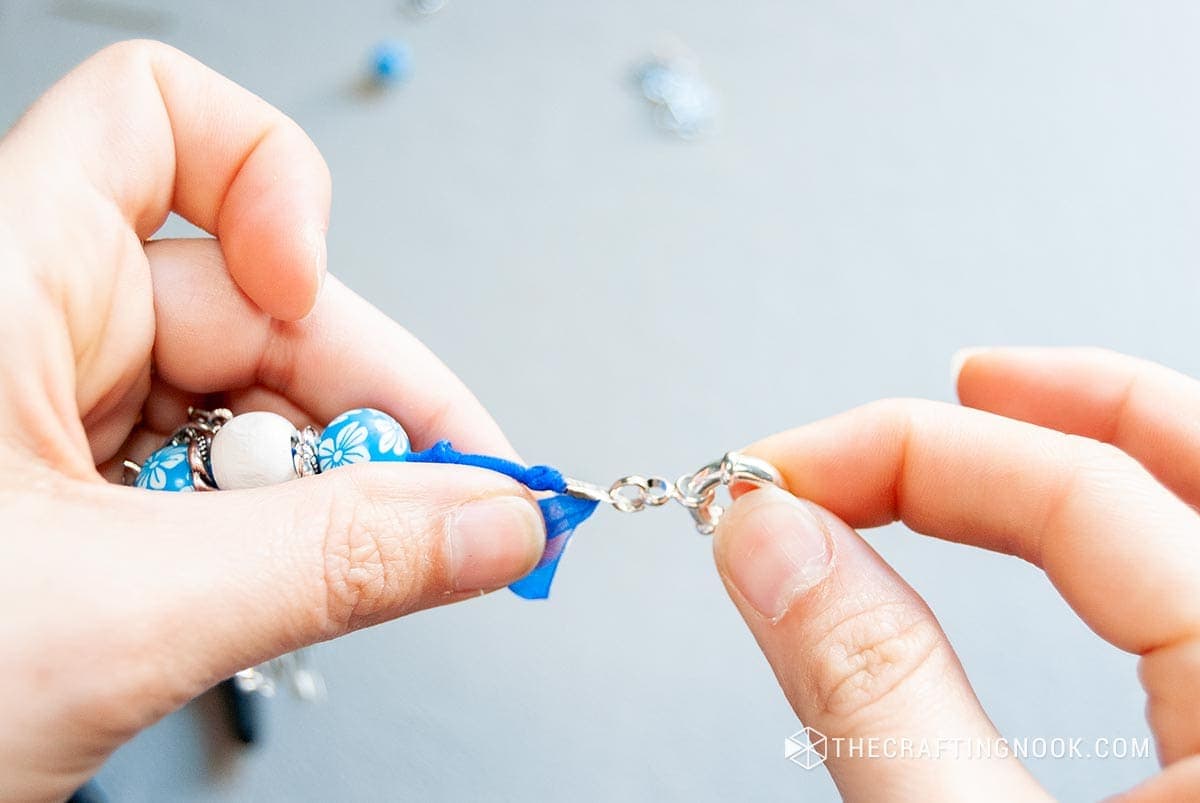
(960,359)
(493,542)
(781,551)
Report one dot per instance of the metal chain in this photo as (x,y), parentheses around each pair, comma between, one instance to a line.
(200,424)
(696,491)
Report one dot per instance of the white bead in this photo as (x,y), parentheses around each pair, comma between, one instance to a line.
(253,450)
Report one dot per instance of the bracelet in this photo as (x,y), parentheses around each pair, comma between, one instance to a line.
(218,450)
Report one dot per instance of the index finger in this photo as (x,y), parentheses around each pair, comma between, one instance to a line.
(345,354)
(152,130)
(1120,547)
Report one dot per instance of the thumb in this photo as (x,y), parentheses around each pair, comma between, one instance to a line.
(265,571)
(859,656)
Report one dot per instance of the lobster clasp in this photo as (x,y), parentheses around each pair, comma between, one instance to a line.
(698,491)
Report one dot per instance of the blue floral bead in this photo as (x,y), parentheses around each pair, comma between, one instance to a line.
(360,436)
(166,470)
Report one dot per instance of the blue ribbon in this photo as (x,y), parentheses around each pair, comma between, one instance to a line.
(561,513)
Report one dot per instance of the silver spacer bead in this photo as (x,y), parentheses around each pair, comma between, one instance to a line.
(304,452)
(198,461)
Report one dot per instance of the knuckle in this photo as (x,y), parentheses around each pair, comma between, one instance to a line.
(278,365)
(1099,456)
(1168,675)
(898,408)
(133,54)
(1095,469)
(871,653)
(901,418)
(368,559)
(1171,673)
(1091,471)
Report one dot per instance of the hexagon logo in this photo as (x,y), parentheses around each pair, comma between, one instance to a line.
(807,748)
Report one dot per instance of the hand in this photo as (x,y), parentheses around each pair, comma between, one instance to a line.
(122,604)
(1104,510)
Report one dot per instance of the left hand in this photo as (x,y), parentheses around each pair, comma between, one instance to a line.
(122,604)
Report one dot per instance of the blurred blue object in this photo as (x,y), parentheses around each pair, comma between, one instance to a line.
(684,103)
(391,62)
(90,792)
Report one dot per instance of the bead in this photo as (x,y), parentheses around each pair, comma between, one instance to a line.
(426,8)
(253,450)
(390,62)
(360,436)
(166,470)
(684,102)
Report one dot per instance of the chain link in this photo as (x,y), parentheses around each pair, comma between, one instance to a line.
(696,492)
(631,494)
(201,424)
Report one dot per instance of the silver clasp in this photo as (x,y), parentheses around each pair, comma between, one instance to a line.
(696,491)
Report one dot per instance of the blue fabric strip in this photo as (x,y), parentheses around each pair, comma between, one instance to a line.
(535,478)
(561,513)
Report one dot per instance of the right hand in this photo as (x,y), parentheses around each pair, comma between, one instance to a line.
(1095,482)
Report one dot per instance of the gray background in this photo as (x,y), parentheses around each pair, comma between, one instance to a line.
(888,182)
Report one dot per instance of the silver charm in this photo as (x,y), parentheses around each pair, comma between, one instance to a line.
(696,491)
(291,670)
(425,8)
(684,103)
